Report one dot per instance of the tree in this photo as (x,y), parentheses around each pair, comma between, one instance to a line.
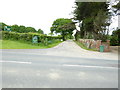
(29,29)
(87,12)
(63,26)
(40,31)
(51,34)
(18,29)
(117,6)
(100,25)
(15,28)
(68,28)
(22,29)
(115,38)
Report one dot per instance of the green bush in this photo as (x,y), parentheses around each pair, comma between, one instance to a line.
(27,37)
(115,39)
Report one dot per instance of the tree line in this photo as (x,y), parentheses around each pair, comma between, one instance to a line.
(21,29)
(94,19)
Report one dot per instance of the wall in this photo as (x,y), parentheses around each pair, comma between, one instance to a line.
(95,44)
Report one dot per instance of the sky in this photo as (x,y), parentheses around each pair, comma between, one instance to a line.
(37,13)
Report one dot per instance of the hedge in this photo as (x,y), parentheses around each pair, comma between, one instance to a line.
(28,37)
(115,38)
(114,41)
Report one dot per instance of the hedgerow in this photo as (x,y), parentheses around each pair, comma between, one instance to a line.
(115,39)
(27,37)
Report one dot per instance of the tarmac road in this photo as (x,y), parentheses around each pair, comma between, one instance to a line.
(64,66)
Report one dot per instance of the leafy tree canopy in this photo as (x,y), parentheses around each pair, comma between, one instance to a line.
(40,31)
(30,29)
(117,6)
(63,26)
(94,17)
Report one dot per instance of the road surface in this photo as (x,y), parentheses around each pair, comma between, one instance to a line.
(64,66)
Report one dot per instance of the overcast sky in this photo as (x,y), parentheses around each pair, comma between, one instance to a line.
(36,13)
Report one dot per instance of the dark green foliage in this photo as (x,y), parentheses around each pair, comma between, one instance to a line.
(117,6)
(94,17)
(19,29)
(22,29)
(89,9)
(40,31)
(114,41)
(27,37)
(64,27)
(115,38)
(29,29)
(15,28)
(2,26)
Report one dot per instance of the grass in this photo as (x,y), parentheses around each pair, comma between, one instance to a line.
(83,46)
(9,44)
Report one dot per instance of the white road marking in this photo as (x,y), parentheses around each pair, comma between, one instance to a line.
(15,62)
(86,66)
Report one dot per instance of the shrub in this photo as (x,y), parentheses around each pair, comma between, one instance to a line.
(27,37)
(115,39)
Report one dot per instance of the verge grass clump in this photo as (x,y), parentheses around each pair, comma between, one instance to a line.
(13,40)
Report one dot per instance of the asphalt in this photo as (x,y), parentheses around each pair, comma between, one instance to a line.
(58,67)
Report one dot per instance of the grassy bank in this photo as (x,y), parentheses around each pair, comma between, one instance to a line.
(83,46)
(8,44)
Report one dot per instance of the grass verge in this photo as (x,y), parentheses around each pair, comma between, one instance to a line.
(9,44)
(83,46)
